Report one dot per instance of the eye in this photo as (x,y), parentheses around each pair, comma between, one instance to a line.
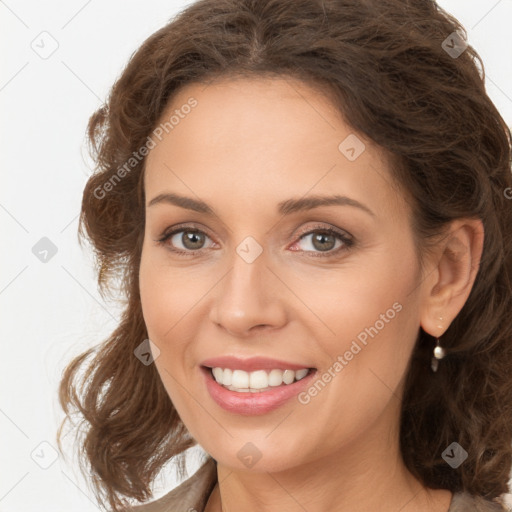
(190,238)
(324,240)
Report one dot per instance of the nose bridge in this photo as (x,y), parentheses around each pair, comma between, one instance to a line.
(246,297)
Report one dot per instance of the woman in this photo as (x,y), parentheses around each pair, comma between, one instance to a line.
(305,203)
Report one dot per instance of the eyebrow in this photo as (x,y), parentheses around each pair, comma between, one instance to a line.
(284,207)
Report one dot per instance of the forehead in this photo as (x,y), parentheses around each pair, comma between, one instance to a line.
(264,140)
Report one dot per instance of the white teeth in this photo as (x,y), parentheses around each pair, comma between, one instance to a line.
(300,374)
(240,380)
(258,379)
(288,376)
(275,378)
(227,376)
(217,374)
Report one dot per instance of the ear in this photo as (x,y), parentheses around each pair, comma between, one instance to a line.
(451,274)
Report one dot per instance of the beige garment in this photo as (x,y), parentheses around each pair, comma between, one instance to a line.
(192,496)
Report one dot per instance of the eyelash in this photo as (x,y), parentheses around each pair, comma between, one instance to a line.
(348,241)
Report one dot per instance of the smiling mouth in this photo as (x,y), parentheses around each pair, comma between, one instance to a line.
(256,381)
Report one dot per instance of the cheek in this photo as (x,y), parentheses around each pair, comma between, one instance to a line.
(166,295)
(367,299)
(163,305)
(375,320)
(162,309)
(172,300)
(154,299)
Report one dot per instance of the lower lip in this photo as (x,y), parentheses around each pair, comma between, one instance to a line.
(249,403)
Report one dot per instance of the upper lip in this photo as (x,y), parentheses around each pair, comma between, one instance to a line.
(251,363)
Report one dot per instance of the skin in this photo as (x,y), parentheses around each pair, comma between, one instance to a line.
(246,146)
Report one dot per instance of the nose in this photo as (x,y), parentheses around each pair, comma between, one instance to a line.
(249,299)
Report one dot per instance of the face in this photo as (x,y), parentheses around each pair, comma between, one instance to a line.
(261,271)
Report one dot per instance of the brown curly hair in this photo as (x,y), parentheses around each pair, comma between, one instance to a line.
(387,71)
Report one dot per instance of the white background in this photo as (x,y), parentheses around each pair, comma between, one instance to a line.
(52,311)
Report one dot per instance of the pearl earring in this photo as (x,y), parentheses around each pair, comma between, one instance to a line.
(439,352)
